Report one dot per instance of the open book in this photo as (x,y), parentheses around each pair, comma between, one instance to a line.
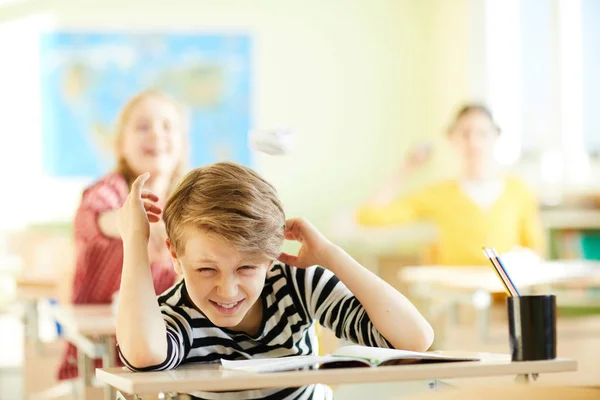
(345,357)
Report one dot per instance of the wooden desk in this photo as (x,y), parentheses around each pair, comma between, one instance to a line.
(86,320)
(561,218)
(31,289)
(370,244)
(200,377)
(475,285)
(484,277)
(90,328)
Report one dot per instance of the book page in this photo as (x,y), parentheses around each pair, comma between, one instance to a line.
(293,363)
(273,364)
(377,355)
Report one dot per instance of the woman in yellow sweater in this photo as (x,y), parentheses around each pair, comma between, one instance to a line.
(480,208)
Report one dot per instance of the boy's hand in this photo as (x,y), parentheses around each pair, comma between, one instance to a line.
(139,209)
(315,247)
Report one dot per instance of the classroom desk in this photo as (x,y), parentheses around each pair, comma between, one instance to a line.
(209,377)
(90,328)
(30,290)
(564,218)
(475,285)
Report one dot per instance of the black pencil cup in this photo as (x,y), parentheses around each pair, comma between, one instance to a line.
(532,327)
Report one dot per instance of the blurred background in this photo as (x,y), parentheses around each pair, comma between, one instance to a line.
(357,84)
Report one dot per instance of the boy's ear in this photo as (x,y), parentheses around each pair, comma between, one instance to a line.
(176,263)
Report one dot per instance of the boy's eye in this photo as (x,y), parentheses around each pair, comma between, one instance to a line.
(206,270)
(247,268)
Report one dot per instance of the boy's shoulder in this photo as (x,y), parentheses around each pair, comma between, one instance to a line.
(175,296)
(279,269)
(299,278)
(285,271)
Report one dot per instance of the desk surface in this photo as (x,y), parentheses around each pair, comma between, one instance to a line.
(484,277)
(210,378)
(560,218)
(87,320)
(32,287)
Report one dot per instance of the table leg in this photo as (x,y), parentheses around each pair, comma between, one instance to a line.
(108,360)
(454,312)
(424,294)
(85,375)
(482,301)
(32,324)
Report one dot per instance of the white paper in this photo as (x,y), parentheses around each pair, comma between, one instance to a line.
(273,364)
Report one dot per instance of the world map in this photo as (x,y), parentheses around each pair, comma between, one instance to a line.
(87,77)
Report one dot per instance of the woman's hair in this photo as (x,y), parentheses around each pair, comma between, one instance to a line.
(469,108)
(122,166)
(229,201)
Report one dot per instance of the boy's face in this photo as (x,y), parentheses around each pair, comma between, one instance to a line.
(222,282)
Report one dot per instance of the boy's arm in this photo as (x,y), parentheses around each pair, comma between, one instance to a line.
(393,316)
(141,331)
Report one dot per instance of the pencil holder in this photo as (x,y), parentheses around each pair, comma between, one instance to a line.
(532,327)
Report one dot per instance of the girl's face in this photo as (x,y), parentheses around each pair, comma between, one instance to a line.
(474,136)
(152,137)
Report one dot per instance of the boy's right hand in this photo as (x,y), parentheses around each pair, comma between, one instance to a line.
(133,219)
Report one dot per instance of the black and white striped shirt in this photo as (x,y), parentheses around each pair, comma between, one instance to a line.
(293,299)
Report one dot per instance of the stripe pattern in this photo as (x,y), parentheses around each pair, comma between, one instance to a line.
(293,300)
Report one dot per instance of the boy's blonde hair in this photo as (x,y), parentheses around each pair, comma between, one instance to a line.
(122,166)
(230,201)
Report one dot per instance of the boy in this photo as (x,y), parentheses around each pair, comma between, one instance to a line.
(225,226)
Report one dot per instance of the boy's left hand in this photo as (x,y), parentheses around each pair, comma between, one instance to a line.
(315,247)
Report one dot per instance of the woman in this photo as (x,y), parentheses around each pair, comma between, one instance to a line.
(481,207)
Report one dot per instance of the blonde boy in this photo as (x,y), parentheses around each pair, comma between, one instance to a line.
(240,297)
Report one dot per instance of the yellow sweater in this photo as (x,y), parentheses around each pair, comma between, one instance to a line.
(464,227)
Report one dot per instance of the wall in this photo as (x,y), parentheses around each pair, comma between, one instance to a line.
(349,76)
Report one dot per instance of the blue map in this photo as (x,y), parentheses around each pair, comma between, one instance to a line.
(88,77)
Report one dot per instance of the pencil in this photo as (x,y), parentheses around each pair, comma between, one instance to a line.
(501,264)
(509,286)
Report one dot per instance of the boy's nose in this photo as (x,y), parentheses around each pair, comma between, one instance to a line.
(227,289)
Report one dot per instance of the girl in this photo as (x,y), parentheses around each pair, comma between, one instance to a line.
(481,207)
(150,137)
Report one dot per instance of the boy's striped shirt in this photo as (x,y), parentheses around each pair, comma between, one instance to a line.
(293,299)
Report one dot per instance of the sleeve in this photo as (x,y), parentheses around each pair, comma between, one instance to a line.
(531,233)
(326,299)
(406,209)
(105,195)
(98,260)
(179,340)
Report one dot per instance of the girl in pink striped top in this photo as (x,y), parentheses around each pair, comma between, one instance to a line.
(150,137)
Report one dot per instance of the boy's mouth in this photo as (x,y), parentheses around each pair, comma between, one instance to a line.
(227,308)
